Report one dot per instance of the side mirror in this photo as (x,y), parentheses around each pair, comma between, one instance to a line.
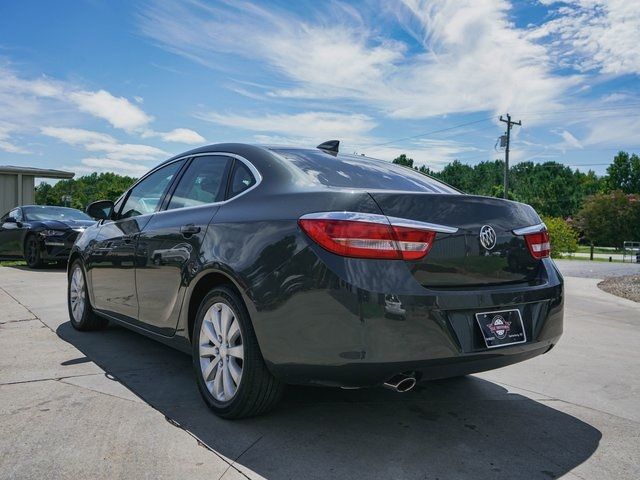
(100,210)
(10,220)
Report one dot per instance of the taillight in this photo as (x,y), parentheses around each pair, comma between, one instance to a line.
(539,244)
(363,239)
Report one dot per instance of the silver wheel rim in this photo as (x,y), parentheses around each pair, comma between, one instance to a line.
(221,352)
(77,294)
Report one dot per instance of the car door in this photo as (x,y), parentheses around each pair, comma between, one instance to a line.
(11,234)
(112,258)
(170,244)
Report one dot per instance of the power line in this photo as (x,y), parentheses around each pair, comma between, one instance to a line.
(432,132)
(580,109)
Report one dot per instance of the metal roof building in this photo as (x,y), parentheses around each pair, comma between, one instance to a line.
(17,184)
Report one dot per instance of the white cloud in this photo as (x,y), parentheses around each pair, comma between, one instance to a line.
(100,142)
(569,139)
(30,106)
(118,111)
(469,55)
(182,135)
(112,165)
(117,157)
(8,146)
(600,35)
(309,125)
(76,136)
(121,151)
(12,148)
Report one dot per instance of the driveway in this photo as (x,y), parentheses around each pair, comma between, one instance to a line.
(114,404)
(588,269)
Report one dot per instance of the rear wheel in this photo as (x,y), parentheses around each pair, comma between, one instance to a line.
(81,314)
(231,374)
(32,254)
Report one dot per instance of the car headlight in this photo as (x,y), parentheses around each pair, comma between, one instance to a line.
(53,233)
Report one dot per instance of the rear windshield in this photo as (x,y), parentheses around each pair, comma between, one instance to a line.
(353,171)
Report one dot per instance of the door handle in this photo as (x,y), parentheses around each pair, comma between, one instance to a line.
(190,229)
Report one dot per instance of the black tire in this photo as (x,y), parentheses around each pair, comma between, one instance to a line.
(258,391)
(32,254)
(87,320)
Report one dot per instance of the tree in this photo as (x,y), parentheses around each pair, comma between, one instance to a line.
(84,190)
(624,173)
(564,239)
(404,160)
(608,219)
(458,175)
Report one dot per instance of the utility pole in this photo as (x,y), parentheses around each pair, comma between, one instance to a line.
(506,152)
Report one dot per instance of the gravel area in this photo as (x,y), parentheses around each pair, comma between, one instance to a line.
(588,269)
(626,287)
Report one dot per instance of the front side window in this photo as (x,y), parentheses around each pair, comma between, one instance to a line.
(203,182)
(146,196)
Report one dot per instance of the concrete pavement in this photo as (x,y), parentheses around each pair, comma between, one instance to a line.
(114,404)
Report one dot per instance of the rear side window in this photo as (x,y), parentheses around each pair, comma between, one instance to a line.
(203,182)
(242,179)
(353,171)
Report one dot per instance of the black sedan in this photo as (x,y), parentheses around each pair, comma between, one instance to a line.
(276,266)
(40,234)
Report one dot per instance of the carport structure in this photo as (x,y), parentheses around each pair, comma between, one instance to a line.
(17,184)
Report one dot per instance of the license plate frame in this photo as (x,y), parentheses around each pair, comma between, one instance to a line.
(501,328)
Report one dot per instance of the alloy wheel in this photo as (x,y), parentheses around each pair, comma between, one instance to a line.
(221,352)
(77,294)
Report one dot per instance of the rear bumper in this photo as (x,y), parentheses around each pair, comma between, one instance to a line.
(326,330)
(370,374)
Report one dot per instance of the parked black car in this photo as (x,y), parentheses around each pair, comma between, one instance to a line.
(305,266)
(40,234)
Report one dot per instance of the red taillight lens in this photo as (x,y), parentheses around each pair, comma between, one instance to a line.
(369,240)
(539,244)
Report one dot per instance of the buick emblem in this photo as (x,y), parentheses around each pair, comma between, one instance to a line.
(499,327)
(488,237)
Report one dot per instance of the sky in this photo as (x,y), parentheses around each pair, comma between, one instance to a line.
(118,85)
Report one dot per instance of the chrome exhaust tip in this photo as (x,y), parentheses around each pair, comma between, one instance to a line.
(400,383)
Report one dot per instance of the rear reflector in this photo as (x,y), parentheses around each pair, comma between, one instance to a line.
(539,244)
(361,239)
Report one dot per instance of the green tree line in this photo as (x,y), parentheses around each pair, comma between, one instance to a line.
(604,209)
(80,192)
(551,188)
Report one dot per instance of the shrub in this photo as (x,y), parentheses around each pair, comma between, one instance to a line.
(610,219)
(564,239)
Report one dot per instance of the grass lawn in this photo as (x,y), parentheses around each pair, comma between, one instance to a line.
(12,263)
(587,249)
(595,259)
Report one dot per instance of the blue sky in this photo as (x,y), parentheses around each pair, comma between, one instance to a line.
(118,85)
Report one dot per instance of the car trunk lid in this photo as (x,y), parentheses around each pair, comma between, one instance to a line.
(461,259)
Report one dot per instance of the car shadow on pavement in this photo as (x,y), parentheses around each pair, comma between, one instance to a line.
(49,267)
(465,428)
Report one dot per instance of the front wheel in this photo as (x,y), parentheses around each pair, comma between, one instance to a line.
(231,374)
(81,314)
(32,254)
